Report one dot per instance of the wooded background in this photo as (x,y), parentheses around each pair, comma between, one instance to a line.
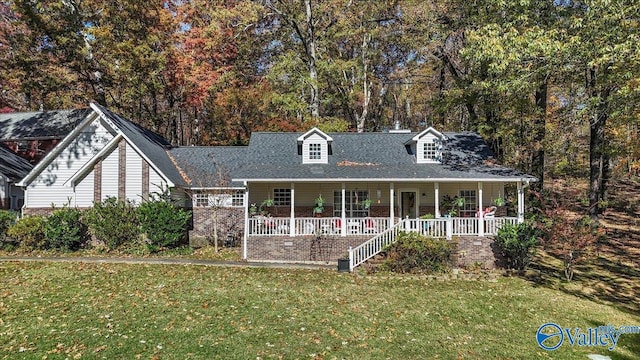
(552,85)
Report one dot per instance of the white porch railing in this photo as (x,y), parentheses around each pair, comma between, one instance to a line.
(437,228)
(278,226)
(373,246)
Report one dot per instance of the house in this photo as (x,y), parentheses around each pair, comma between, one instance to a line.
(12,169)
(372,186)
(106,155)
(293,196)
(32,135)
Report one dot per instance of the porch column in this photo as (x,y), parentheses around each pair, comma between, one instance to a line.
(246,221)
(392,203)
(436,192)
(520,202)
(343,213)
(480,211)
(292,224)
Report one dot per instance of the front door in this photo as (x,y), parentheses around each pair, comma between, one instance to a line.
(408,204)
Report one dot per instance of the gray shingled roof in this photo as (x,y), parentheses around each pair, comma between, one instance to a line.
(41,125)
(152,145)
(13,166)
(371,156)
(210,166)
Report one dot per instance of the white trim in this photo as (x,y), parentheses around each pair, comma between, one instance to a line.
(211,188)
(110,146)
(56,150)
(304,136)
(428,130)
(400,180)
(132,144)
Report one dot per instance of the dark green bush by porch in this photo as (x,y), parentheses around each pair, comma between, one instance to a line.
(517,244)
(113,222)
(64,230)
(414,253)
(29,232)
(7,218)
(164,223)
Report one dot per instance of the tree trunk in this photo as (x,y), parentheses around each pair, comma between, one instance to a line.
(314,101)
(537,156)
(598,158)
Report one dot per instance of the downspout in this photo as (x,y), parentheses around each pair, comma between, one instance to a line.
(246,221)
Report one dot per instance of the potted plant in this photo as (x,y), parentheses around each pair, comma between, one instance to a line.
(425,224)
(498,201)
(452,204)
(343,263)
(267,203)
(366,203)
(253,209)
(319,208)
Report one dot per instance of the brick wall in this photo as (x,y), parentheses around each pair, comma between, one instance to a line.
(230,220)
(300,248)
(470,250)
(477,249)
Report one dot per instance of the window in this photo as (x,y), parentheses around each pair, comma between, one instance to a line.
(431,151)
(353,203)
(469,209)
(315,151)
(200,200)
(237,199)
(281,197)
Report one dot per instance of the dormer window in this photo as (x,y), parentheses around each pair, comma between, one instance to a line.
(315,147)
(431,151)
(315,151)
(427,146)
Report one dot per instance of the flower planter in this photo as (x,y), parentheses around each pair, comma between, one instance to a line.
(343,265)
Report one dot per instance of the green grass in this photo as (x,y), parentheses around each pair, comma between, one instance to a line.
(79,310)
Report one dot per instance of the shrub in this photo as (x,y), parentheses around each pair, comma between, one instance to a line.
(65,230)
(164,223)
(414,253)
(7,218)
(517,243)
(29,232)
(113,222)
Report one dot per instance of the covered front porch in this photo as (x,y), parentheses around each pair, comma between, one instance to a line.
(435,208)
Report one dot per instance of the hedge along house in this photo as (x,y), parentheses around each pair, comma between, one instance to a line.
(323,194)
(106,155)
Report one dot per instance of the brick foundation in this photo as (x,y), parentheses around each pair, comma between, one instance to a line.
(470,250)
(473,250)
(301,248)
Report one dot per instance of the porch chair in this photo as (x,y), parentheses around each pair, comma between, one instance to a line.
(370,226)
(490,212)
(336,225)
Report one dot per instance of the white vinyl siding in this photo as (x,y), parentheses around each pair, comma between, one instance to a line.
(134,175)
(315,150)
(156,184)
(49,186)
(84,191)
(110,175)
(429,149)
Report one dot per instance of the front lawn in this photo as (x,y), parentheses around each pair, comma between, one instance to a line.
(78,310)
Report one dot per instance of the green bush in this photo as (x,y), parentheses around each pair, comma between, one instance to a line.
(29,232)
(7,218)
(414,253)
(164,223)
(113,222)
(65,230)
(517,244)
